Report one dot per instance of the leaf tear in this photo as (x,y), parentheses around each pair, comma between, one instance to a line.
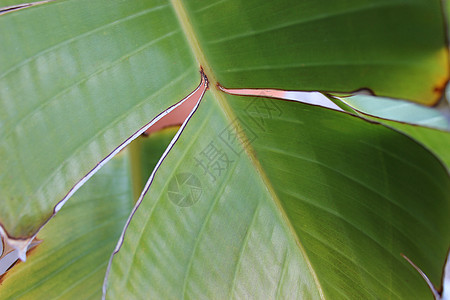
(308,97)
(14,8)
(197,95)
(22,245)
(180,113)
(438,295)
(14,250)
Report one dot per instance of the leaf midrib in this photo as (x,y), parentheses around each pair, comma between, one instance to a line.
(230,116)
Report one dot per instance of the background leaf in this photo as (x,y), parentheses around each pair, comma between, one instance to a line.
(145,153)
(76,244)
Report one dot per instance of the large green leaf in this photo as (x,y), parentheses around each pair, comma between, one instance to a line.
(393,47)
(71,260)
(78,77)
(278,199)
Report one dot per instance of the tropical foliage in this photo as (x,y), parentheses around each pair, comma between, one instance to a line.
(253,196)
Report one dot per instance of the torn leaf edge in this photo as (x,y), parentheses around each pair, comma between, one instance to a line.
(13,8)
(22,244)
(204,85)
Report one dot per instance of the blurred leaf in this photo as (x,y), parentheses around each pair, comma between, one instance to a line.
(77,243)
(70,262)
(145,153)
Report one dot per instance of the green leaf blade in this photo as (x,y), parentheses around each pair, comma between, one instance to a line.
(344,226)
(354,206)
(394,48)
(195,253)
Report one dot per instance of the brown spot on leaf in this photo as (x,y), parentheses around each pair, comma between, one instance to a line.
(438,90)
